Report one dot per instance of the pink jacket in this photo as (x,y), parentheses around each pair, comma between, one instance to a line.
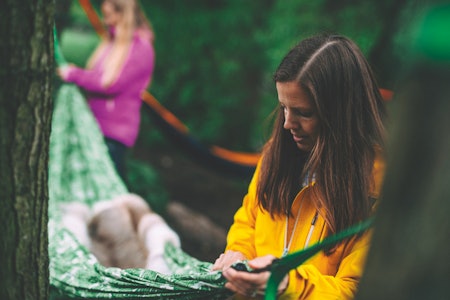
(117,107)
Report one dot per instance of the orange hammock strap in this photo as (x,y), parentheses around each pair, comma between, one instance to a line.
(386,94)
(244,158)
(163,112)
(93,17)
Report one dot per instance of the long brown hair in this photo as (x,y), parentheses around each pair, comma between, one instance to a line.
(351,112)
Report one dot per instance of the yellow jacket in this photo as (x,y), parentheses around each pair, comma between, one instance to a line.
(254,233)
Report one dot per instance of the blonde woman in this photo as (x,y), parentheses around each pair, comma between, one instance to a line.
(117,72)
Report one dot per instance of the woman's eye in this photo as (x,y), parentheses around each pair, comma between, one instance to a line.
(306,114)
(297,112)
(303,113)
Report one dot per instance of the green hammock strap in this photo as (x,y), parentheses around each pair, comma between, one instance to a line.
(59,57)
(282,266)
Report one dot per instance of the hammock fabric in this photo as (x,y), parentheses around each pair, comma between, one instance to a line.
(80,170)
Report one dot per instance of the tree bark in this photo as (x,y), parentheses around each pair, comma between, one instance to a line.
(26,56)
(409,256)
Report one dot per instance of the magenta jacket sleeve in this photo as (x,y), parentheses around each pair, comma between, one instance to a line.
(138,67)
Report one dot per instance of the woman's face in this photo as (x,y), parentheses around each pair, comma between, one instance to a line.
(300,116)
(111,16)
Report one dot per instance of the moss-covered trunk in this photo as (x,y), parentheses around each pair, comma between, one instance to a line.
(26,72)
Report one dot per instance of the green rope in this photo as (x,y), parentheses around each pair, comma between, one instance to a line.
(59,57)
(282,266)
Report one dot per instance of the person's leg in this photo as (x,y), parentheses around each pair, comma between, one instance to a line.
(117,153)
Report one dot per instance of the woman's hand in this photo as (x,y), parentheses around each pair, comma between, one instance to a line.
(63,72)
(252,284)
(226,259)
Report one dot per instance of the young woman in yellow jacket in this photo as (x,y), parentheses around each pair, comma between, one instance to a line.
(320,172)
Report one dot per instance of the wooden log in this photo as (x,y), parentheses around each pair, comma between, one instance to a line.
(200,236)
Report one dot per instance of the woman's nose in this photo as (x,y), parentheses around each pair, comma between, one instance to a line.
(289,121)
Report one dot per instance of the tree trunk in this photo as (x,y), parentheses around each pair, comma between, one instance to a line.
(26,56)
(409,256)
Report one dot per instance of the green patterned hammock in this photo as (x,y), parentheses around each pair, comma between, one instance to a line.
(80,170)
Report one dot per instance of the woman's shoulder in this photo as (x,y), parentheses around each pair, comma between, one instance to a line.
(142,47)
(143,36)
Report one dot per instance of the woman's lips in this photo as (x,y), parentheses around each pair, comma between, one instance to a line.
(299,139)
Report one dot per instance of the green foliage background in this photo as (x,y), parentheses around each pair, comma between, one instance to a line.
(215,58)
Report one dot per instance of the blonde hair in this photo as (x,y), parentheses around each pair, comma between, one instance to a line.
(133,20)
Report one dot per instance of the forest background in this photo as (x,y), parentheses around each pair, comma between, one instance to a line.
(214,66)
